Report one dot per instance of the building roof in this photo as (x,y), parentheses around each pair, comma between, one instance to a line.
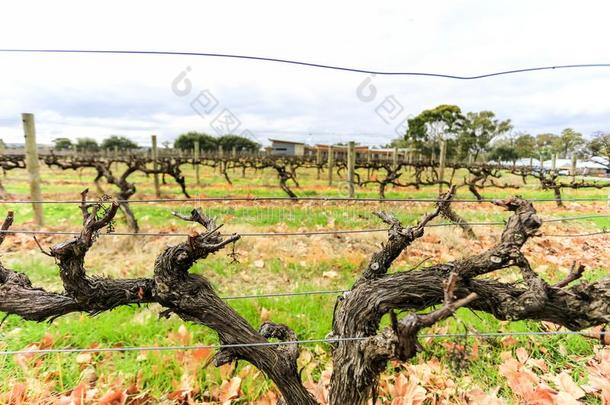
(580,164)
(593,163)
(291,142)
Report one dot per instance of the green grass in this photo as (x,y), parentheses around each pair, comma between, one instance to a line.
(309,316)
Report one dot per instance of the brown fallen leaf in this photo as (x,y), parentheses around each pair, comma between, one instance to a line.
(18,394)
(78,394)
(113,397)
(230,389)
(330,274)
(566,384)
(84,358)
(265,314)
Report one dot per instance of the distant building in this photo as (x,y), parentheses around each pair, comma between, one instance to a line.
(594,166)
(287,148)
(362,152)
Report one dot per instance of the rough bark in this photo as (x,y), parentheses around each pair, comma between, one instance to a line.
(189,296)
(359,312)
(447,211)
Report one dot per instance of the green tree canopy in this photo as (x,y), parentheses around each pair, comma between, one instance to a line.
(62,144)
(568,142)
(121,142)
(546,145)
(430,126)
(504,152)
(186,141)
(599,145)
(240,143)
(525,146)
(87,145)
(398,143)
(477,131)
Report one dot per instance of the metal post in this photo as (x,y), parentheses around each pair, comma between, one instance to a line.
(32,166)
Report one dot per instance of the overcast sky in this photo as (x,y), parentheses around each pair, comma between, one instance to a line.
(84,95)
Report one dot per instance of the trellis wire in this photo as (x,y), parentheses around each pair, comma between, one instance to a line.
(272,234)
(286,294)
(343,199)
(308,233)
(304,341)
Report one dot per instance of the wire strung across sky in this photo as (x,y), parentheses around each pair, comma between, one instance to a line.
(309,341)
(311,64)
(305,341)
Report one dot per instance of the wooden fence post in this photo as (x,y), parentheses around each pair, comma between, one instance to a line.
(155,159)
(573,167)
(318,161)
(33,166)
(116,156)
(331,163)
(351,163)
(395,156)
(441,165)
(554,162)
(196,161)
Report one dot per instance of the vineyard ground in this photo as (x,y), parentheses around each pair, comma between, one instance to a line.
(301,263)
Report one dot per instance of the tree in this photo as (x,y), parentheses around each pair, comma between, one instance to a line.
(430,126)
(600,146)
(525,146)
(120,142)
(186,141)
(62,144)
(568,142)
(546,145)
(241,144)
(504,152)
(87,145)
(478,130)
(398,143)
